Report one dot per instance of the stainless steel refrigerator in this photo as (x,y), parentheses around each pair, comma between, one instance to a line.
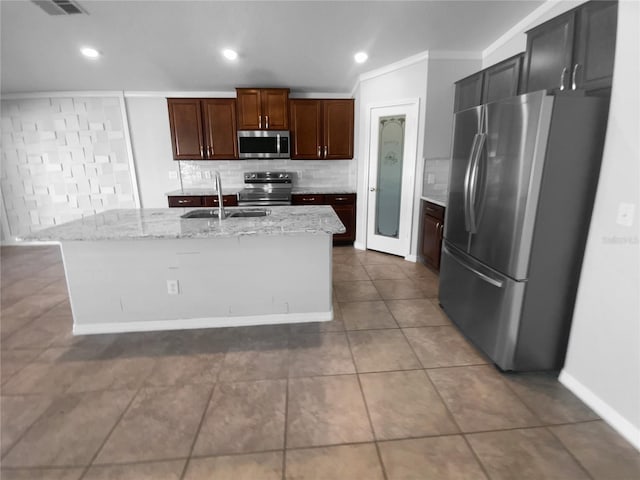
(523,179)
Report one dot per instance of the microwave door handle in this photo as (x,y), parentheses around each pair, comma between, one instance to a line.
(277,141)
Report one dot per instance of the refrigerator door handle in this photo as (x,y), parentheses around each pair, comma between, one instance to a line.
(473,187)
(467,183)
(486,278)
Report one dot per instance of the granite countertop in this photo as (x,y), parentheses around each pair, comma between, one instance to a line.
(202,191)
(234,190)
(160,223)
(323,190)
(437,199)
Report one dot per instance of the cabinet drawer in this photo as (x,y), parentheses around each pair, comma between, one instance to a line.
(185,201)
(434,210)
(340,199)
(310,199)
(228,201)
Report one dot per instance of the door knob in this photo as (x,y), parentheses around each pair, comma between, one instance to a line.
(372,189)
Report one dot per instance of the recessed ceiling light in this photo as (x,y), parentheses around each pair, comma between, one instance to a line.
(361,57)
(90,52)
(230,54)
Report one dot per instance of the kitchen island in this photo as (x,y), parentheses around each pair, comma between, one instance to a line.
(150,269)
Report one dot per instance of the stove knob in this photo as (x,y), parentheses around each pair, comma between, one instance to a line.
(281,175)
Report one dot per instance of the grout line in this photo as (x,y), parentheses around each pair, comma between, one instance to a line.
(366,407)
(106,438)
(286,423)
(568,450)
(197,434)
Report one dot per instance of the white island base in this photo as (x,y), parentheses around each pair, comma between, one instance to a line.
(123,285)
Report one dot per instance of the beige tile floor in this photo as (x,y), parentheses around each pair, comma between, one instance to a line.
(388,390)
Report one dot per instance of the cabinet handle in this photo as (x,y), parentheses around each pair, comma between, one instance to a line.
(564,72)
(267,121)
(183,201)
(339,199)
(573,76)
(319,151)
(259,121)
(325,151)
(308,199)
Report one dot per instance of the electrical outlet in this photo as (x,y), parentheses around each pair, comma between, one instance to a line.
(173,287)
(625,214)
(207,175)
(173,175)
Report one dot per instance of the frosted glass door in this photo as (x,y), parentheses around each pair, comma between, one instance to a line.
(391,159)
(389,182)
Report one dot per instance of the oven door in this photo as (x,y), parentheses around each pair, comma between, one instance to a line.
(263,144)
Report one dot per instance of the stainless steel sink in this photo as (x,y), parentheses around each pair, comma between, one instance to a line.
(241,213)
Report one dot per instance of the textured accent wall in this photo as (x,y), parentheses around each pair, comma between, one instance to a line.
(62,159)
(309,173)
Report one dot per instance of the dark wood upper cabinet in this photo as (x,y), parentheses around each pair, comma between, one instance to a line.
(203,129)
(338,129)
(501,80)
(220,128)
(549,54)
(468,92)
(263,108)
(574,51)
(321,129)
(596,44)
(306,129)
(185,120)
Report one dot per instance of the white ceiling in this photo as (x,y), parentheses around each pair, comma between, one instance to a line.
(175,45)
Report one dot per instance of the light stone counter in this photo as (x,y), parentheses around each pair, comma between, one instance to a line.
(191,192)
(166,223)
(437,199)
(323,190)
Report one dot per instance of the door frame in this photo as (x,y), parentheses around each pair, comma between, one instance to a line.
(412,112)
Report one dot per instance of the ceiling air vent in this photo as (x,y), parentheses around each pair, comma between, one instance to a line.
(59,7)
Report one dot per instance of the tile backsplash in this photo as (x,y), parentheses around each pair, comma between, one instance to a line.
(308,173)
(436,177)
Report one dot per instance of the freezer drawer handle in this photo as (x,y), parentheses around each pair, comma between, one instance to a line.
(486,278)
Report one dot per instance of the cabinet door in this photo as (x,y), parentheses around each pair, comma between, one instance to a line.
(549,52)
(501,80)
(185,121)
(227,201)
(275,108)
(249,109)
(347,215)
(220,128)
(431,240)
(468,92)
(338,129)
(595,44)
(186,201)
(306,129)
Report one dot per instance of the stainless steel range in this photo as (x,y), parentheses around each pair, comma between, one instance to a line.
(266,188)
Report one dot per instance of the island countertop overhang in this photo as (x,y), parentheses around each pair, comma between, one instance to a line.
(131,224)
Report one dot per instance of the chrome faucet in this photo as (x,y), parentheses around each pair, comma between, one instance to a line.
(221,213)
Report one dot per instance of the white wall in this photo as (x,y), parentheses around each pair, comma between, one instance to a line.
(443,73)
(407,80)
(603,360)
(63,157)
(151,144)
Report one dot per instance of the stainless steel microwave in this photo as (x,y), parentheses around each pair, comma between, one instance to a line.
(264,144)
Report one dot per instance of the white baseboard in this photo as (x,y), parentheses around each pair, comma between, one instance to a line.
(411,258)
(623,426)
(359,246)
(209,322)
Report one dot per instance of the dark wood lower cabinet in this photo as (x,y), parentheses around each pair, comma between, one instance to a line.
(432,229)
(201,200)
(343,204)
